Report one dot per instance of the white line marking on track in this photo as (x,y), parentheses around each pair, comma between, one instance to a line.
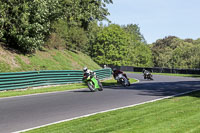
(106,111)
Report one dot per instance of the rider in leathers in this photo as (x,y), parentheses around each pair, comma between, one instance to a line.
(146,73)
(87,72)
(117,72)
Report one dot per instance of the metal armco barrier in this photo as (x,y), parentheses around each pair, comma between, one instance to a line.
(156,69)
(19,80)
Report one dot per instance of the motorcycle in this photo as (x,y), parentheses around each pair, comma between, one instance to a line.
(93,82)
(122,80)
(148,76)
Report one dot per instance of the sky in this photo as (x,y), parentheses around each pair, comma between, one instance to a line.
(158,18)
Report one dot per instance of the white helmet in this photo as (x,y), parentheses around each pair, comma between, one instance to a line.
(85,69)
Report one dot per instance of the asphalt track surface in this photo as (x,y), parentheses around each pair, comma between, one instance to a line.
(19,113)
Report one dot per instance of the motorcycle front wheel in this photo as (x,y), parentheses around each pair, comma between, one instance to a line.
(123,82)
(91,86)
(129,84)
(100,86)
(150,77)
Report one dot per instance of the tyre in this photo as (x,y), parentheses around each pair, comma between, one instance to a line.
(91,86)
(100,86)
(150,77)
(129,84)
(123,81)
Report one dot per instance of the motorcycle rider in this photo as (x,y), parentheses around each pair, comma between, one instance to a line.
(87,72)
(146,73)
(117,72)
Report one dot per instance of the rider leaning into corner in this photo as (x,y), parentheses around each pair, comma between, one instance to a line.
(116,72)
(145,72)
(87,72)
(93,82)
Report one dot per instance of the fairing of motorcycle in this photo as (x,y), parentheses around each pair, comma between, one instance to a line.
(122,80)
(148,76)
(93,83)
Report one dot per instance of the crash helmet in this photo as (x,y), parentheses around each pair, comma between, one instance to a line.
(85,69)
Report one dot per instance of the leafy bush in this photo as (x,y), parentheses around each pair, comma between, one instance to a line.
(55,42)
(74,37)
(27,23)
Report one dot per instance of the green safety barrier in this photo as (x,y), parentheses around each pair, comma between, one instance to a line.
(20,80)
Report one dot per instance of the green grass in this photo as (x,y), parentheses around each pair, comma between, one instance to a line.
(172,74)
(45,60)
(113,82)
(174,115)
(181,75)
(21,92)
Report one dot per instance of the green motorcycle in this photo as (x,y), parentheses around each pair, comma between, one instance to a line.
(93,82)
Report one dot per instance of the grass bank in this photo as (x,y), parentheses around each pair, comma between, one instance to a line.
(37,90)
(174,115)
(44,60)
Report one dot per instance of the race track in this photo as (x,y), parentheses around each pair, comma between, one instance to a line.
(19,113)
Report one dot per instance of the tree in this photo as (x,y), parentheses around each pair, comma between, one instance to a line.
(26,23)
(139,53)
(162,51)
(173,52)
(134,32)
(141,56)
(92,33)
(82,12)
(2,20)
(115,45)
(111,46)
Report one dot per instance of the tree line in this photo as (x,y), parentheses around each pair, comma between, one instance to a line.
(121,45)
(77,25)
(173,52)
(27,24)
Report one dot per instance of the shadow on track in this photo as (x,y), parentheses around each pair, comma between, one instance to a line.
(161,88)
(82,91)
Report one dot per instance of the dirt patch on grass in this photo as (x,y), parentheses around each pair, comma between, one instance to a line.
(45,55)
(8,57)
(26,60)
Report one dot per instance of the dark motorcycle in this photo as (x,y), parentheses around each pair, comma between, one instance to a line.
(123,80)
(148,75)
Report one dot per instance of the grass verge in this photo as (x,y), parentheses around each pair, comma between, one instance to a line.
(173,115)
(172,74)
(21,92)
